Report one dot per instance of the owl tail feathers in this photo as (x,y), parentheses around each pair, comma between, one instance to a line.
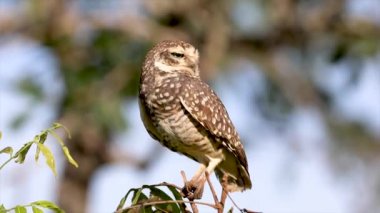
(240,182)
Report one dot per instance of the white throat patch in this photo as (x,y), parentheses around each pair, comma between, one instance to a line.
(166,68)
(163,67)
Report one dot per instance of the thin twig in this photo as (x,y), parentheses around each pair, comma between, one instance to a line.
(168,184)
(192,203)
(233,202)
(212,188)
(6,162)
(220,207)
(244,210)
(224,191)
(223,198)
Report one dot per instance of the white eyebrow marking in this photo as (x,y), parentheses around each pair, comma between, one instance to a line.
(177,49)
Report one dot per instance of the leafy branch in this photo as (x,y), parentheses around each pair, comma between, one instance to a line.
(36,207)
(151,198)
(19,157)
(39,141)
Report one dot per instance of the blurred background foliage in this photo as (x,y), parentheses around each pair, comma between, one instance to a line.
(100,45)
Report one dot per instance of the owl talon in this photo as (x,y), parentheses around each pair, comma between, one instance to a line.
(193,190)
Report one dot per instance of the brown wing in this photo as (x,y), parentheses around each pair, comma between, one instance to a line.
(206,108)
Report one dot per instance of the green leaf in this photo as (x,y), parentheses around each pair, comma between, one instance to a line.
(159,193)
(140,197)
(69,157)
(48,156)
(20,209)
(122,201)
(21,154)
(136,196)
(177,196)
(64,148)
(47,204)
(7,150)
(175,192)
(36,210)
(41,138)
(170,207)
(231,210)
(155,194)
(146,209)
(58,125)
(1,135)
(37,154)
(59,139)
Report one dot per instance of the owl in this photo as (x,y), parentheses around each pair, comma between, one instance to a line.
(184,114)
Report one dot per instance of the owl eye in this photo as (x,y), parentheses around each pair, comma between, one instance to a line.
(177,55)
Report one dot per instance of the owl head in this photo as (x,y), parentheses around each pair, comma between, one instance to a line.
(174,57)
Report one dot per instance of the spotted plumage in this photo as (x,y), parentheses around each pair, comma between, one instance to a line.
(185,115)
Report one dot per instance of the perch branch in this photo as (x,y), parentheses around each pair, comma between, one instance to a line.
(220,208)
(192,203)
(166,202)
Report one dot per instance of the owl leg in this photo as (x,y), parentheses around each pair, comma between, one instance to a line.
(212,164)
(193,189)
(199,173)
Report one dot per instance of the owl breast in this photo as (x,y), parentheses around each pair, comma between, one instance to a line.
(174,127)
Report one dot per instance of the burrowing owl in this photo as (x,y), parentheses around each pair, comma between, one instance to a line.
(185,115)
